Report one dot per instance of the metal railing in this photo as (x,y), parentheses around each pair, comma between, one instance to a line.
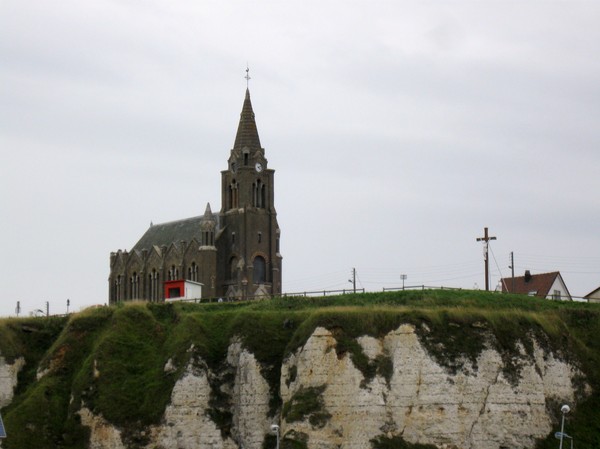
(419,287)
(323,292)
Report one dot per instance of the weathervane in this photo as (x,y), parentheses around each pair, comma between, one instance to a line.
(247,76)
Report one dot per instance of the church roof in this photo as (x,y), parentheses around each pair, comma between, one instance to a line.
(171,232)
(247,134)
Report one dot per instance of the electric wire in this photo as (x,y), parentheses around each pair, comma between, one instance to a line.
(497,266)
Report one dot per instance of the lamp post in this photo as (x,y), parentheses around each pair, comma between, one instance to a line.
(564,410)
(559,435)
(403,277)
(275,430)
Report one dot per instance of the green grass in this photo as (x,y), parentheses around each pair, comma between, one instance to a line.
(112,359)
(307,403)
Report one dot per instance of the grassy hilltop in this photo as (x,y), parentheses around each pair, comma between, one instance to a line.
(132,343)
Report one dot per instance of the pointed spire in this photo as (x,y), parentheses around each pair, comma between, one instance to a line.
(247,134)
(208,220)
(208,215)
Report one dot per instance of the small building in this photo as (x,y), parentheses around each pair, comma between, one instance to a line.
(182,289)
(544,285)
(593,296)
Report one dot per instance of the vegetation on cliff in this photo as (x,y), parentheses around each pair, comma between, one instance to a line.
(112,360)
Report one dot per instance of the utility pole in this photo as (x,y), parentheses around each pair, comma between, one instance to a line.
(353,280)
(512,268)
(485,239)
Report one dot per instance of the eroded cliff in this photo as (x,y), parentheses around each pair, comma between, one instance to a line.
(349,379)
(421,402)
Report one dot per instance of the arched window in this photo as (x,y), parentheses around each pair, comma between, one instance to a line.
(193,272)
(233,194)
(173,273)
(260,270)
(118,288)
(208,238)
(258,194)
(134,286)
(233,262)
(154,279)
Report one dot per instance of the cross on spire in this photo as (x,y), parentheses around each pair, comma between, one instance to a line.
(247,76)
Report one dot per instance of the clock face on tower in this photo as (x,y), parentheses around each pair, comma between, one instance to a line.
(258,166)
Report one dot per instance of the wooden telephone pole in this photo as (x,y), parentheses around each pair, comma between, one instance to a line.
(485,239)
(353,280)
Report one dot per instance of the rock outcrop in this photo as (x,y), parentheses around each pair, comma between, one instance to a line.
(423,402)
(415,398)
(9,373)
(8,379)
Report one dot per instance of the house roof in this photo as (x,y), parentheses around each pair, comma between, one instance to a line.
(592,293)
(538,283)
(171,232)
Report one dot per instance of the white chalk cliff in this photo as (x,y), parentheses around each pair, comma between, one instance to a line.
(8,379)
(421,402)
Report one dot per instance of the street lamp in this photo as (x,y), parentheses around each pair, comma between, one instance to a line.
(275,430)
(564,410)
(403,277)
(559,435)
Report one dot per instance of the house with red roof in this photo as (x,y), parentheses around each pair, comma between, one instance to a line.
(544,285)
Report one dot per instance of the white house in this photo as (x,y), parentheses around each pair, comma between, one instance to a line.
(593,296)
(544,285)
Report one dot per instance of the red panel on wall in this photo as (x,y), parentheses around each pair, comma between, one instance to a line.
(174,289)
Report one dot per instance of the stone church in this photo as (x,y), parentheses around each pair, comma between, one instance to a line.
(233,254)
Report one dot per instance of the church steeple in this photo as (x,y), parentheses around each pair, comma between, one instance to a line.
(248,234)
(247,133)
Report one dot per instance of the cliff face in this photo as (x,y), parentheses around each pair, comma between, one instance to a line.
(328,402)
(8,379)
(422,402)
(375,372)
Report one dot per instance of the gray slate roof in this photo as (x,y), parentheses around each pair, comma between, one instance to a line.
(171,232)
(247,134)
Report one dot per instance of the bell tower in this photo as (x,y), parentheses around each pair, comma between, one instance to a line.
(248,241)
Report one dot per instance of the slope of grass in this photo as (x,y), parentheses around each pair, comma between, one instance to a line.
(113,359)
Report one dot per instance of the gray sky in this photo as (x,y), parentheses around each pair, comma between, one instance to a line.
(397,130)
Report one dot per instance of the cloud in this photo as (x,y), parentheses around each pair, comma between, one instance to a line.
(397,130)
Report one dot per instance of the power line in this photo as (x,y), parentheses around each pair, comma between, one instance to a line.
(497,266)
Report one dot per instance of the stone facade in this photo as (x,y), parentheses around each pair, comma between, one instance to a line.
(234,254)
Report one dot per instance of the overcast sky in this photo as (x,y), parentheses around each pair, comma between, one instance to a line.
(398,131)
